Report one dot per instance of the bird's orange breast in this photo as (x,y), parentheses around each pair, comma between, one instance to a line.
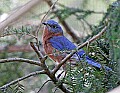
(49,50)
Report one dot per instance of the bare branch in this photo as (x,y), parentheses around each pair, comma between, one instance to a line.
(45,17)
(79,47)
(39,26)
(18,13)
(22,78)
(42,63)
(43,85)
(39,54)
(63,22)
(48,71)
(20,60)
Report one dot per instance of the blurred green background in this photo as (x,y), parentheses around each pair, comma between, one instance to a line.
(17,45)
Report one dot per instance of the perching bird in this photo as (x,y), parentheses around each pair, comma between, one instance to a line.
(57,46)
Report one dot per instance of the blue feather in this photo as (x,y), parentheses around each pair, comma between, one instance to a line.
(61,43)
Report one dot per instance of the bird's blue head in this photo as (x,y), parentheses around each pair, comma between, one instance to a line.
(53,26)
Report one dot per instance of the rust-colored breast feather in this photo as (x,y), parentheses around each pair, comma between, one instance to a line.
(49,50)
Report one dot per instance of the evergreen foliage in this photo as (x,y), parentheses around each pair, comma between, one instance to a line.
(81,78)
(86,79)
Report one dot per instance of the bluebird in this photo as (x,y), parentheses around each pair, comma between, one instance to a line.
(57,46)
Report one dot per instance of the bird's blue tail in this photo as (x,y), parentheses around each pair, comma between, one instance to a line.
(96,64)
(90,61)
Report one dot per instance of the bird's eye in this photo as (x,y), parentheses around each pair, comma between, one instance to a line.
(53,26)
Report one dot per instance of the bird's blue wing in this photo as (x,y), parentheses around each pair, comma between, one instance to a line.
(61,43)
(96,64)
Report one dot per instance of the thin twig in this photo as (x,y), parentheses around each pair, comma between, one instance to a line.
(105,56)
(64,23)
(20,60)
(55,89)
(22,78)
(60,74)
(41,23)
(39,54)
(79,47)
(45,17)
(89,25)
(43,85)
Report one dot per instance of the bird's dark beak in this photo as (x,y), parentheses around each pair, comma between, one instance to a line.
(44,23)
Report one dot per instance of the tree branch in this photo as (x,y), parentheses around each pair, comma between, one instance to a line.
(39,54)
(20,60)
(45,16)
(43,85)
(18,13)
(79,47)
(48,71)
(67,28)
(22,78)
